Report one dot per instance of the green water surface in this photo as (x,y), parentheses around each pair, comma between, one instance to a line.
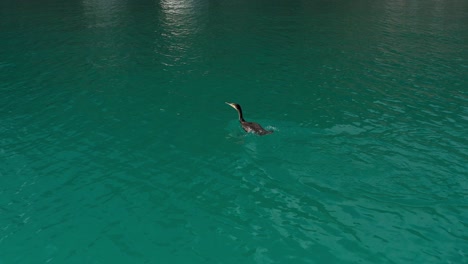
(116,145)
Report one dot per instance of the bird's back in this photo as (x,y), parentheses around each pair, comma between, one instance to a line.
(252,127)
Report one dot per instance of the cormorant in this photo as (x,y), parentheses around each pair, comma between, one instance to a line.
(249,126)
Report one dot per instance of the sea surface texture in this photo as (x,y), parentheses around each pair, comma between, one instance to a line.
(116,145)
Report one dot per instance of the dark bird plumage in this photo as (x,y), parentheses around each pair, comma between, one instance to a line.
(249,127)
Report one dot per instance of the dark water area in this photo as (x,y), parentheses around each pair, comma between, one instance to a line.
(116,145)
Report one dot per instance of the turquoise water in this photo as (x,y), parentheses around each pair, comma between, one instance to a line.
(116,145)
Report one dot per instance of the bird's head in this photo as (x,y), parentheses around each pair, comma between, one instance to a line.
(235,106)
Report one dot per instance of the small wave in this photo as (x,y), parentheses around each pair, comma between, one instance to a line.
(273,128)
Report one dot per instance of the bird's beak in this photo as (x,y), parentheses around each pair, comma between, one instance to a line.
(231,104)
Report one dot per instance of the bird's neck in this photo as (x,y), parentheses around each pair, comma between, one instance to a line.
(241,117)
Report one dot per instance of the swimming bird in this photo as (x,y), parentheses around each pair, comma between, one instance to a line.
(249,127)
